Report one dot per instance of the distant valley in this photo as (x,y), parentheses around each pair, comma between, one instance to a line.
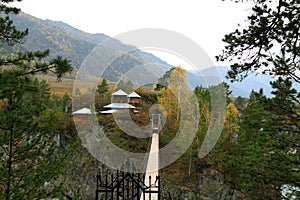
(254,81)
(75,45)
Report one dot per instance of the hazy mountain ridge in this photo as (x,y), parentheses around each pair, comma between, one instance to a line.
(255,81)
(112,43)
(98,38)
(75,45)
(91,38)
(43,35)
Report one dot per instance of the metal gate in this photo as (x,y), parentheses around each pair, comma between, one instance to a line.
(127,186)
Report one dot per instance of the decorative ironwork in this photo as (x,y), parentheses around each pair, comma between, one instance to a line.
(127,186)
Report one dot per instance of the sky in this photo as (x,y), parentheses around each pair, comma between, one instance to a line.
(203,21)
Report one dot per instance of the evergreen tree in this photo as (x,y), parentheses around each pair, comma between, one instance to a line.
(243,163)
(163,81)
(230,128)
(265,155)
(240,103)
(125,86)
(26,63)
(28,157)
(270,43)
(204,100)
(103,87)
(8,32)
(27,147)
(78,92)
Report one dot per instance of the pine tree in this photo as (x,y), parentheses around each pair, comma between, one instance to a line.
(269,43)
(240,103)
(28,157)
(103,87)
(27,148)
(265,155)
(125,86)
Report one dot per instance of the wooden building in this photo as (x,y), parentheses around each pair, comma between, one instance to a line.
(134,98)
(82,114)
(121,101)
(119,97)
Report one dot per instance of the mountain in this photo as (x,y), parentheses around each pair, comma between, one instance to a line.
(76,45)
(254,81)
(43,35)
(91,38)
(123,53)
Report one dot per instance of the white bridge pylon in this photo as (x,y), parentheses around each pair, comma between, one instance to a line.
(153,160)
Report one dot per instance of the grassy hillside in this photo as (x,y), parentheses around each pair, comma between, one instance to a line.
(59,88)
(67,82)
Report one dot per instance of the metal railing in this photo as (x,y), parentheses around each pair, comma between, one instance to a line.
(127,186)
